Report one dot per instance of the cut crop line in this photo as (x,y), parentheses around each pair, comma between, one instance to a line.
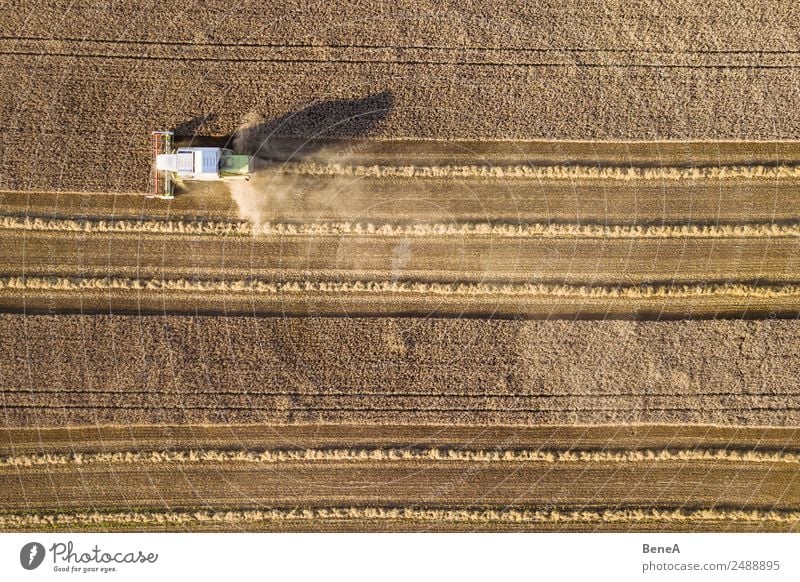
(547,172)
(116,193)
(410,514)
(455,289)
(401,454)
(101,225)
(419,229)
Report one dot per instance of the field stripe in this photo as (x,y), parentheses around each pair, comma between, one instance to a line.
(199,227)
(350,45)
(400,53)
(564,62)
(384,409)
(455,289)
(548,172)
(358,393)
(488,515)
(419,229)
(402,454)
(253,437)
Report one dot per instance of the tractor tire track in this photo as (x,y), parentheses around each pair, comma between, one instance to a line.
(398,54)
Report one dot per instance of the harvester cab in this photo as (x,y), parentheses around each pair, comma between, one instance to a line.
(185,164)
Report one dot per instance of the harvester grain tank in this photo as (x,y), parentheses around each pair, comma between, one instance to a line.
(186,164)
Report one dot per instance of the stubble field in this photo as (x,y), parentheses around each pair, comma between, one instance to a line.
(493,272)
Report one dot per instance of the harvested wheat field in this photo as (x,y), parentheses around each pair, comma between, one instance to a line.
(493,271)
(464,229)
(394,477)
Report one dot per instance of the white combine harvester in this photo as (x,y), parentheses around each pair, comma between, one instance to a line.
(186,164)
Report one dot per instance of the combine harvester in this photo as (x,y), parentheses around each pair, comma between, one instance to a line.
(187,164)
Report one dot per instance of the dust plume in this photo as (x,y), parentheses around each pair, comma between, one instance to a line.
(275,194)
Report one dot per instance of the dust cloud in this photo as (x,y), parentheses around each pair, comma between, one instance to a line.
(272,194)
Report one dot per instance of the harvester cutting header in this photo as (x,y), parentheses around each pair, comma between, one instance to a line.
(185,164)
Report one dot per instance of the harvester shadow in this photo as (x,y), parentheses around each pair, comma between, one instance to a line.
(191,128)
(300,133)
(293,135)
